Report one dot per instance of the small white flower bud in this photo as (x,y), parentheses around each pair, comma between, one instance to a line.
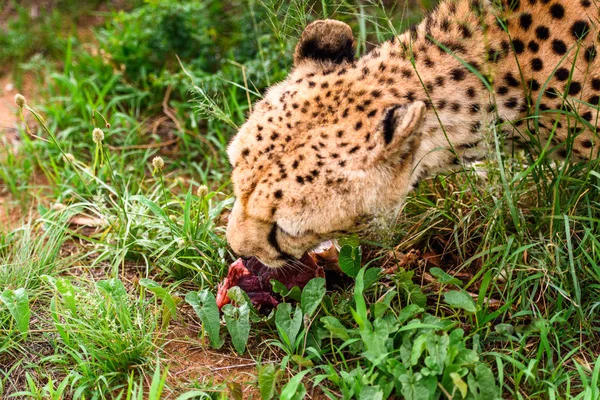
(20,100)
(158,163)
(97,135)
(201,191)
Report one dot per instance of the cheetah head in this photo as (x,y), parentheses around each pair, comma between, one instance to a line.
(324,151)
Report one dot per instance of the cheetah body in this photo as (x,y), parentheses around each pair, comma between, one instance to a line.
(342,140)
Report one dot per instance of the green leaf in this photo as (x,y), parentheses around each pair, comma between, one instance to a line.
(17,303)
(350,259)
(66,290)
(408,312)
(371,393)
(267,381)
(312,295)
(335,327)
(437,349)
(169,304)
(460,300)
(483,384)
(371,276)
(287,326)
(294,293)
(460,384)
(444,277)
(114,288)
(294,390)
(237,320)
(205,305)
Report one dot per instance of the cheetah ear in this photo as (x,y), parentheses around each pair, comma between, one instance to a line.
(400,128)
(326,41)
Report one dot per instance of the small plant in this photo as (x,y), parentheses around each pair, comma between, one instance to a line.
(103,331)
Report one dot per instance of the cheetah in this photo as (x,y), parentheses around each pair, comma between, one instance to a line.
(343,140)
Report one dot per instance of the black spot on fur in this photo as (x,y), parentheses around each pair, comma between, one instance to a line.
(518,45)
(559,47)
(511,103)
(458,74)
(278,194)
(511,80)
(590,53)
(525,21)
(562,74)
(574,88)
(542,32)
(533,85)
(475,127)
(537,64)
(580,29)
(596,83)
(533,46)
(557,11)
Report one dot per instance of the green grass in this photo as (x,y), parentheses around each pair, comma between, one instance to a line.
(90,307)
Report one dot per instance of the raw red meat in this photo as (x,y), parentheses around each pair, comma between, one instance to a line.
(253,277)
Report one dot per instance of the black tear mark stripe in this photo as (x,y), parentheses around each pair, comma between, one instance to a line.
(272,238)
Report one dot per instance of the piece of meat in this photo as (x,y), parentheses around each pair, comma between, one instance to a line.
(253,277)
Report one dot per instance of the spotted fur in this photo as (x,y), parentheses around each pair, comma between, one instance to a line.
(341,140)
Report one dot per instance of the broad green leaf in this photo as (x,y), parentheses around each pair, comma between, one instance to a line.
(205,305)
(414,386)
(418,347)
(444,277)
(460,384)
(460,300)
(237,320)
(350,259)
(267,381)
(169,303)
(312,294)
(483,384)
(17,303)
(437,350)
(294,293)
(287,326)
(409,312)
(335,327)
(371,393)
(371,276)
(294,389)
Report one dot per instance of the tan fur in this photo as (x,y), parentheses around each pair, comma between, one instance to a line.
(313,162)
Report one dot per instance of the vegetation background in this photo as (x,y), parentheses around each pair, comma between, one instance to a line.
(112,245)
